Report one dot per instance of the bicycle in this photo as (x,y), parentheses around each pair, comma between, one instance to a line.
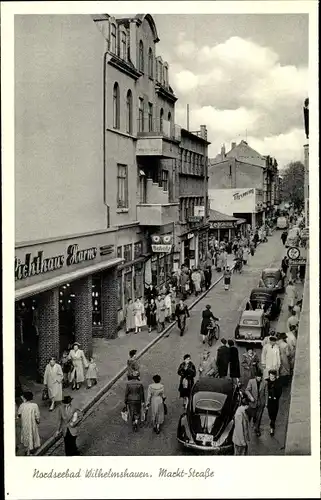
(213,333)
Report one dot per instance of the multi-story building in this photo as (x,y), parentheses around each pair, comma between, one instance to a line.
(192,230)
(243,168)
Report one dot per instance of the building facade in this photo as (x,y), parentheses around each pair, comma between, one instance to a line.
(244,168)
(192,229)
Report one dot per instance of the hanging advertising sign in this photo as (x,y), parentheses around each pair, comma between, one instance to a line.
(222,225)
(162,243)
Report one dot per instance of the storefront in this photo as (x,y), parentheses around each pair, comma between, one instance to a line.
(225,227)
(66,291)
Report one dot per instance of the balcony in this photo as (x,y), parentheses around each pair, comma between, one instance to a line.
(157,211)
(156,140)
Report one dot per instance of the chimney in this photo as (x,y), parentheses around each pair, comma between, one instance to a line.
(223,152)
(203,132)
(233,145)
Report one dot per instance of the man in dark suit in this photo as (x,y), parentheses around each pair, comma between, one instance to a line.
(256,391)
(223,359)
(134,398)
(68,419)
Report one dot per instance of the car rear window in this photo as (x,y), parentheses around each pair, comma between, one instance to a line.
(251,322)
(212,402)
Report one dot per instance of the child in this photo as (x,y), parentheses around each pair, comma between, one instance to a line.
(92,372)
(66,366)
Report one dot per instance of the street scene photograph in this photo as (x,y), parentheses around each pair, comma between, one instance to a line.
(162,235)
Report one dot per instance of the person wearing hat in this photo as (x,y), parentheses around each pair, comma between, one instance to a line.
(134,398)
(132,364)
(270,358)
(274,392)
(68,418)
(285,357)
(79,363)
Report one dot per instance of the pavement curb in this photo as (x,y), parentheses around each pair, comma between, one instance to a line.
(56,439)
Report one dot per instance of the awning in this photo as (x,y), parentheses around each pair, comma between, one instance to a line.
(46,285)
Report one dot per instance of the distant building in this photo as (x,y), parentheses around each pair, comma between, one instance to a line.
(244,168)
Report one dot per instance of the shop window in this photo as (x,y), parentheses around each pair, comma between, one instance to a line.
(128,254)
(120,289)
(141,57)
(138,249)
(128,284)
(138,280)
(122,186)
(165,180)
(161,271)
(129,111)
(120,252)
(96,298)
(66,316)
(116,106)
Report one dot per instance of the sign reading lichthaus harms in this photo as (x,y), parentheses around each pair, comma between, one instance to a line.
(162,243)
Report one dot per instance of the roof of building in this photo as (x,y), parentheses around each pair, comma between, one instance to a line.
(214,216)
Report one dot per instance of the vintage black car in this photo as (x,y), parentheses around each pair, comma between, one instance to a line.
(266,299)
(272,278)
(207,425)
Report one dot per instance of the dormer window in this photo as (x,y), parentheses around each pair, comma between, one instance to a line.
(160,72)
(113,38)
(141,57)
(150,64)
(123,46)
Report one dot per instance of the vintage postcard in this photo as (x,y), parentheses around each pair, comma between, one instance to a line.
(160,213)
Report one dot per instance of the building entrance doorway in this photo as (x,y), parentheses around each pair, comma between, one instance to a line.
(66,317)
(26,339)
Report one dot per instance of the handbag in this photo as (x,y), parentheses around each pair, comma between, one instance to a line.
(165,407)
(45,394)
(124,414)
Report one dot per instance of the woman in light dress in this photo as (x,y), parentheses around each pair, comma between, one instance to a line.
(29,414)
(53,382)
(129,316)
(155,401)
(168,306)
(160,313)
(291,295)
(139,312)
(79,363)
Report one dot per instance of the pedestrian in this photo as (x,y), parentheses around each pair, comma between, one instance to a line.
(79,363)
(196,279)
(52,381)
(181,313)
(294,273)
(208,277)
(252,247)
(66,367)
(151,315)
(297,309)
(92,373)
(250,363)
(227,277)
(285,358)
(132,364)
(168,306)
(234,362)
(285,265)
(134,399)
(187,373)
(274,392)
(284,236)
(223,359)
(241,433)
(155,401)
(129,316)
(256,391)
(160,313)
(207,319)
(139,312)
(291,295)
(68,418)
(293,320)
(29,414)
(270,358)
(150,292)
(184,283)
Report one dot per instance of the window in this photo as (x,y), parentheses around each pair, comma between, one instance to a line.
(138,249)
(165,180)
(161,118)
(141,115)
(128,254)
(116,111)
(169,116)
(113,44)
(150,63)
(129,111)
(120,252)
(141,57)
(96,300)
(160,72)
(123,45)
(165,75)
(122,186)
(150,117)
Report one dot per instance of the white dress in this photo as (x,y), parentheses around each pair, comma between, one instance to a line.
(53,380)
(30,416)
(79,362)
(139,311)
(271,359)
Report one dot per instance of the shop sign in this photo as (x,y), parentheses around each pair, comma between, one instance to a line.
(37,265)
(222,225)
(194,218)
(239,196)
(162,243)
(297,262)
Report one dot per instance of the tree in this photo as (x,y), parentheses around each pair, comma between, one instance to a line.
(292,185)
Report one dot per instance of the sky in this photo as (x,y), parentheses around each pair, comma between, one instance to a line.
(244,76)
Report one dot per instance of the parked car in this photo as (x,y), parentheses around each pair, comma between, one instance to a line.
(207,425)
(272,278)
(253,326)
(267,300)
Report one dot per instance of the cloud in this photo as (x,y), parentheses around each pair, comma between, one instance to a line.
(240,88)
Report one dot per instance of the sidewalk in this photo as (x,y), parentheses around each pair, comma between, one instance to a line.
(111,358)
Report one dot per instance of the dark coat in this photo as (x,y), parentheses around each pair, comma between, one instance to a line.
(150,293)
(222,360)
(134,392)
(234,363)
(181,315)
(188,373)
(207,316)
(151,315)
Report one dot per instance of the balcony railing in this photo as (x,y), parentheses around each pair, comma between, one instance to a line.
(150,127)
